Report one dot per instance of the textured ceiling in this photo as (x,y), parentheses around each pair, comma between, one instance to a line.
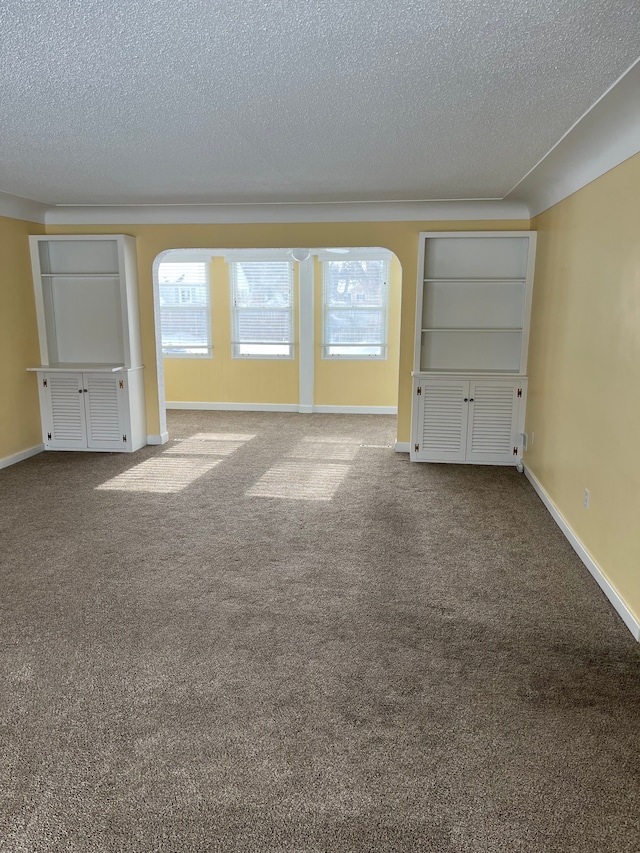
(158,101)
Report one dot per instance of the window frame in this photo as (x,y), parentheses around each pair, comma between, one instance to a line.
(383,345)
(182,305)
(237,311)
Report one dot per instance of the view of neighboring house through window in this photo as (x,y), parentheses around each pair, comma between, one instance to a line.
(185,309)
(355,308)
(262,324)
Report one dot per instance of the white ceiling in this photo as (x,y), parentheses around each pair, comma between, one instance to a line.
(211,101)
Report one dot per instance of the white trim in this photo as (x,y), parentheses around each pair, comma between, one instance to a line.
(356,410)
(632,623)
(284,407)
(16,207)
(375,253)
(306,334)
(402,447)
(247,255)
(234,407)
(22,454)
(163,438)
(605,136)
(378,211)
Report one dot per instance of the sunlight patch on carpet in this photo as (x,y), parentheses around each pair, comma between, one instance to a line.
(197,446)
(305,481)
(161,475)
(325,447)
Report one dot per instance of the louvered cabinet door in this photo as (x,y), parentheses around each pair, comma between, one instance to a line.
(63,420)
(493,422)
(105,405)
(441,421)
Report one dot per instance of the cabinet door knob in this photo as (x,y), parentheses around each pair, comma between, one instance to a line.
(466,400)
(471,399)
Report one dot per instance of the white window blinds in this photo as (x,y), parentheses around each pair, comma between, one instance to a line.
(262,309)
(185,309)
(355,308)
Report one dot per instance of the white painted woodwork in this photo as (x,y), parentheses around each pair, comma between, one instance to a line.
(462,420)
(90,377)
(492,427)
(86,294)
(92,410)
(441,421)
(472,331)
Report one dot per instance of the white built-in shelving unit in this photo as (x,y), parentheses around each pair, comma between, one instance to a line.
(472,333)
(90,377)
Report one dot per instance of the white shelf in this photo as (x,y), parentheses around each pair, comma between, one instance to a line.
(471,329)
(86,367)
(455,371)
(474,295)
(86,300)
(79,274)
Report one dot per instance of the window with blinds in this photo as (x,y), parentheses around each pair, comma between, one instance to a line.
(355,308)
(185,309)
(262,324)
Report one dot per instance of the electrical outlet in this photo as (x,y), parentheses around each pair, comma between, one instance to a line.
(586,498)
(532,435)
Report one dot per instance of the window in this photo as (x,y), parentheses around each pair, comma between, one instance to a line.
(185,312)
(262,309)
(355,302)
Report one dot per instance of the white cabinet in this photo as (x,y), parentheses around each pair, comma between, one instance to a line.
(462,420)
(90,377)
(472,332)
(90,410)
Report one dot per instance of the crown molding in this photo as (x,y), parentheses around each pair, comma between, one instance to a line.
(605,136)
(16,207)
(231,214)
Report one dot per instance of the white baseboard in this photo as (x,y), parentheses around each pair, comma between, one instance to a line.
(163,438)
(284,407)
(235,407)
(23,454)
(605,585)
(356,410)
(402,447)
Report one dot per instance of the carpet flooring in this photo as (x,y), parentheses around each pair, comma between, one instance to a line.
(276,634)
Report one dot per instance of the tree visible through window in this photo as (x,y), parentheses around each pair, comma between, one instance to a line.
(355,307)
(262,309)
(185,315)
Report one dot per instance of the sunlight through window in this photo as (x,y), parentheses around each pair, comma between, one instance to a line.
(325,448)
(160,475)
(176,468)
(206,445)
(300,480)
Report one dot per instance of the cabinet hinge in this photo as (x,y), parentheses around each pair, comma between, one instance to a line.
(44,383)
(519,392)
(515,451)
(48,436)
(124,437)
(122,384)
(416,448)
(419,390)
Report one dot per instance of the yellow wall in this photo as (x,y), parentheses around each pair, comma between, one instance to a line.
(353,382)
(401,238)
(223,378)
(584,369)
(19,411)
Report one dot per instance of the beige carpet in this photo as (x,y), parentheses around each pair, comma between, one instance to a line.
(275,634)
